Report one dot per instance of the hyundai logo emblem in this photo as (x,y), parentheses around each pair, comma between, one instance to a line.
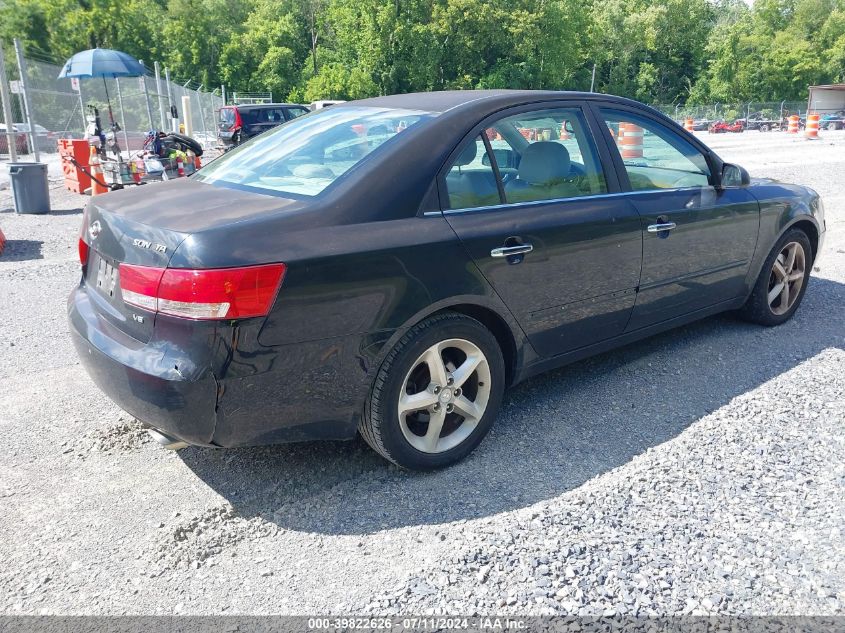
(94,229)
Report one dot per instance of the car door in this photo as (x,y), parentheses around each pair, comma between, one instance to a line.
(529,196)
(698,241)
(260,119)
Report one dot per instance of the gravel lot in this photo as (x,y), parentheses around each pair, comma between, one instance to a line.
(699,471)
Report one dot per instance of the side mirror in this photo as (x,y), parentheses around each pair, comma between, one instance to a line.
(733,176)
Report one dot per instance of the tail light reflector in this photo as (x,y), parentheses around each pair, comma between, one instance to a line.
(219,293)
(83,251)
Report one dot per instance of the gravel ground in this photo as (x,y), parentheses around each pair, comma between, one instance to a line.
(702,471)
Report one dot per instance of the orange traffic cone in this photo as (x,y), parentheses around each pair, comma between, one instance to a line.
(2,241)
(136,176)
(792,128)
(180,167)
(564,135)
(688,125)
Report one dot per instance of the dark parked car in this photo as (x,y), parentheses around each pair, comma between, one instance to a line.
(390,266)
(237,123)
(833,121)
(759,121)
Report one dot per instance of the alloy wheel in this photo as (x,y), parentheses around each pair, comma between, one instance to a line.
(787,278)
(444,396)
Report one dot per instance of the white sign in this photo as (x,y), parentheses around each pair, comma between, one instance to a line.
(15,86)
(74,83)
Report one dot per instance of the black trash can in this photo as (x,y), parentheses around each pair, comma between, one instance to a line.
(30,187)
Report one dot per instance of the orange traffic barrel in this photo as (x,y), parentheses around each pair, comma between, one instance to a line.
(811,130)
(632,141)
(688,125)
(792,128)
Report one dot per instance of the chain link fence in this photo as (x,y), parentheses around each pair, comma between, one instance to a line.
(768,110)
(58,107)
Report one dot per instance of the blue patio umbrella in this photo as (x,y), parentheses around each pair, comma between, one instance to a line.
(102,62)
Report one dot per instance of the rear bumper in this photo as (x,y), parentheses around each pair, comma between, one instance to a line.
(226,138)
(143,379)
(214,384)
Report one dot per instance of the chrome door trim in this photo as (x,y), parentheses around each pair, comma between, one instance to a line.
(664,226)
(508,251)
(534,203)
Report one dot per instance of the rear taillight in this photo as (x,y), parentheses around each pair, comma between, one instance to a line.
(139,285)
(83,251)
(221,293)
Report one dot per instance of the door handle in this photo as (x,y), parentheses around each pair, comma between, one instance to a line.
(509,251)
(664,226)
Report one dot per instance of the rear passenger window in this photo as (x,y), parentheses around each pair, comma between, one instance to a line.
(471,181)
(547,155)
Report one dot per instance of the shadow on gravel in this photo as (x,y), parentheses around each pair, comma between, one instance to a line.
(77,211)
(554,433)
(22,250)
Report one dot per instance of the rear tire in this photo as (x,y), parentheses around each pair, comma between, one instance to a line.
(782,282)
(436,394)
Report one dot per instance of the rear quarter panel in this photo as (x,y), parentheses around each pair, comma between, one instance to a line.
(349,293)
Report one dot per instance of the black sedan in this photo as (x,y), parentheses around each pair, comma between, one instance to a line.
(389,266)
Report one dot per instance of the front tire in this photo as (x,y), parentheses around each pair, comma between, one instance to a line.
(436,394)
(782,281)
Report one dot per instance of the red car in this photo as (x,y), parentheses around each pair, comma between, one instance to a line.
(20,141)
(720,127)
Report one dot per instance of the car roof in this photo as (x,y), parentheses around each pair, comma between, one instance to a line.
(258,106)
(445,100)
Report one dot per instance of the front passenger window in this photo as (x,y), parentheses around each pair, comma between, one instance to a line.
(655,157)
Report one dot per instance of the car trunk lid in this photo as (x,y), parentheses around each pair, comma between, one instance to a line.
(115,239)
(143,226)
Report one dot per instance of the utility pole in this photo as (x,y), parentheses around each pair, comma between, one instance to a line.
(7,108)
(143,82)
(173,126)
(26,106)
(313,10)
(158,92)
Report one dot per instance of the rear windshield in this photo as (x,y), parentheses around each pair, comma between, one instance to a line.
(227,115)
(309,153)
